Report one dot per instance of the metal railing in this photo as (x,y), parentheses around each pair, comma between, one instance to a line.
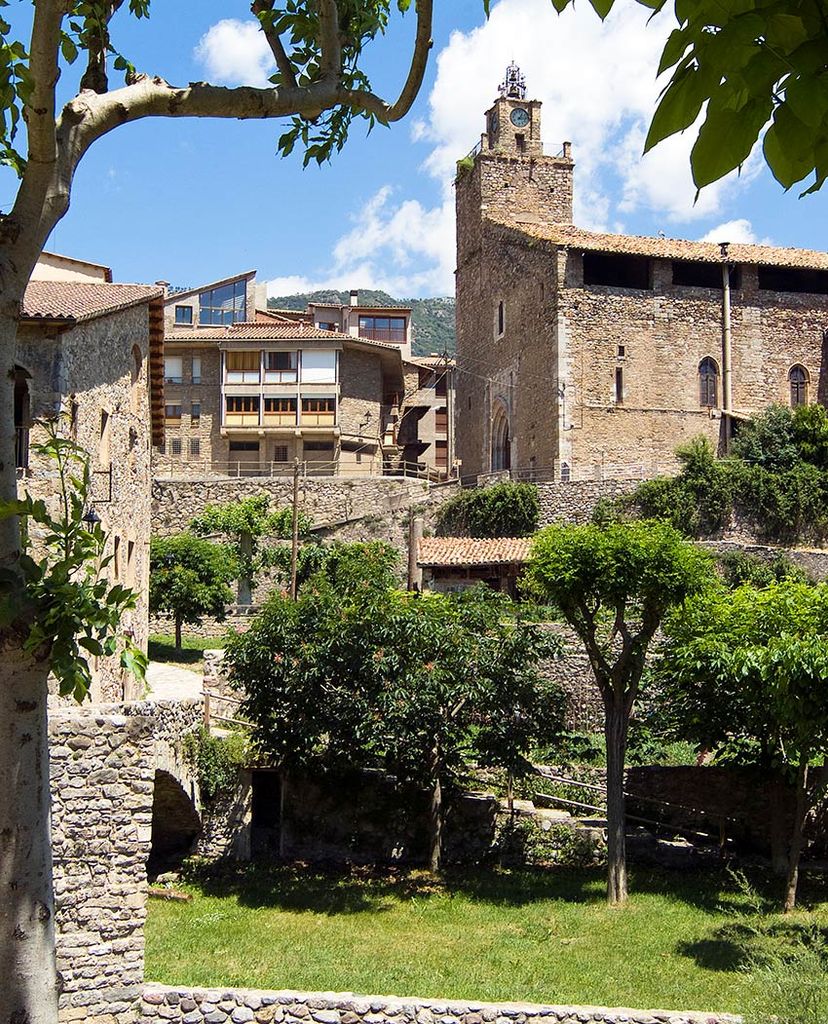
(171,467)
(587,472)
(716,830)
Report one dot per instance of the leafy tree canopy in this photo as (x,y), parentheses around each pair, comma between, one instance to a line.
(189,578)
(746,673)
(777,479)
(502,510)
(348,568)
(418,685)
(245,522)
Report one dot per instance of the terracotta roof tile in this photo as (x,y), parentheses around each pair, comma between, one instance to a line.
(670,248)
(463,551)
(272,330)
(75,301)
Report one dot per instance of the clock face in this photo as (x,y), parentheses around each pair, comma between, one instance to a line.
(519,117)
(495,124)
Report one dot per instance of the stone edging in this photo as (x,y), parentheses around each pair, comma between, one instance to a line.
(162,1004)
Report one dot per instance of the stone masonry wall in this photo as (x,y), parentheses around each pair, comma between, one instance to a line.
(103,767)
(327,501)
(246,1006)
(575,501)
(97,375)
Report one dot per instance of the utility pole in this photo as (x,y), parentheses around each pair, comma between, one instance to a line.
(294,546)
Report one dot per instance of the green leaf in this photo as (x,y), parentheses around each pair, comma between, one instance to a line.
(786,149)
(725,140)
(680,105)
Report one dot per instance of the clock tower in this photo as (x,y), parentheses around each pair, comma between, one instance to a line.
(513,124)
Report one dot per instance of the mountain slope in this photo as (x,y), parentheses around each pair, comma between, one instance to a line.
(432,319)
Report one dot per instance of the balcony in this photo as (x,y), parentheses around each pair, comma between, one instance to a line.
(280,376)
(241,376)
(390,335)
(318,419)
(279,419)
(241,419)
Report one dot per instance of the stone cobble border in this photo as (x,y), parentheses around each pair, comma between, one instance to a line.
(167,1005)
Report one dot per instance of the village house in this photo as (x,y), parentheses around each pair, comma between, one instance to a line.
(584,355)
(452,564)
(90,352)
(250,390)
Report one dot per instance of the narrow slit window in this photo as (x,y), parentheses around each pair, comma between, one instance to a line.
(619,385)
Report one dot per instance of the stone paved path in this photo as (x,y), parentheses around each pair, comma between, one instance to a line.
(169,682)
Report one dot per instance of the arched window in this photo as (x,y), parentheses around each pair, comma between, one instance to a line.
(708,383)
(798,377)
(501,439)
(22,417)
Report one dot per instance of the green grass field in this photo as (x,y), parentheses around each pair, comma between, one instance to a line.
(681,943)
(161,647)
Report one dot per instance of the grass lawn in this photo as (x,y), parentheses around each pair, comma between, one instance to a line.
(481,935)
(161,647)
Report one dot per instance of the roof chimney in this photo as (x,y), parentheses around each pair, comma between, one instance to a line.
(165,285)
(354,297)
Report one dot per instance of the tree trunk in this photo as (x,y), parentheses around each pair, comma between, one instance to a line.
(778,839)
(28,991)
(435,818)
(615,732)
(800,813)
(245,590)
(178,632)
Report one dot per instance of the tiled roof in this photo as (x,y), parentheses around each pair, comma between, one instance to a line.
(670,248)
(431,362)
(267,316)
(272,330)
(464,551)
(74,301)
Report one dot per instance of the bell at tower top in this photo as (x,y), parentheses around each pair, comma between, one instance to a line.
(513,125)
(513,86)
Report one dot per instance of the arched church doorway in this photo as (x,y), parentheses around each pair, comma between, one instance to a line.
(501,439)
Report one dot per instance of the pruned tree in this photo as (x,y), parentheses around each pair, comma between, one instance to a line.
(744,673)
(246,523)
(190,578)
(614,585)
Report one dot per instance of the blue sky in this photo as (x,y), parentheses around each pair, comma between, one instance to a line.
(190,201)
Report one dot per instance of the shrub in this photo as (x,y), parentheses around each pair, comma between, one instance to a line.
(739,567)
(775,481)
(216,759)
(767,440)
(502,510)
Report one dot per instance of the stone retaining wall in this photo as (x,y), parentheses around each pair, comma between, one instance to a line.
(575,501)
(328,501)
(164,1005)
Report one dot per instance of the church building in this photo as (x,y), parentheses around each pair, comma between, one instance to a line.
(584,355)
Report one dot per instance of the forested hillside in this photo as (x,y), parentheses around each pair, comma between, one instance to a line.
(433,318)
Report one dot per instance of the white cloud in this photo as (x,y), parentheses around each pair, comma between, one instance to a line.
(400,247)
(740,230)
(599,90)
(235,52)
